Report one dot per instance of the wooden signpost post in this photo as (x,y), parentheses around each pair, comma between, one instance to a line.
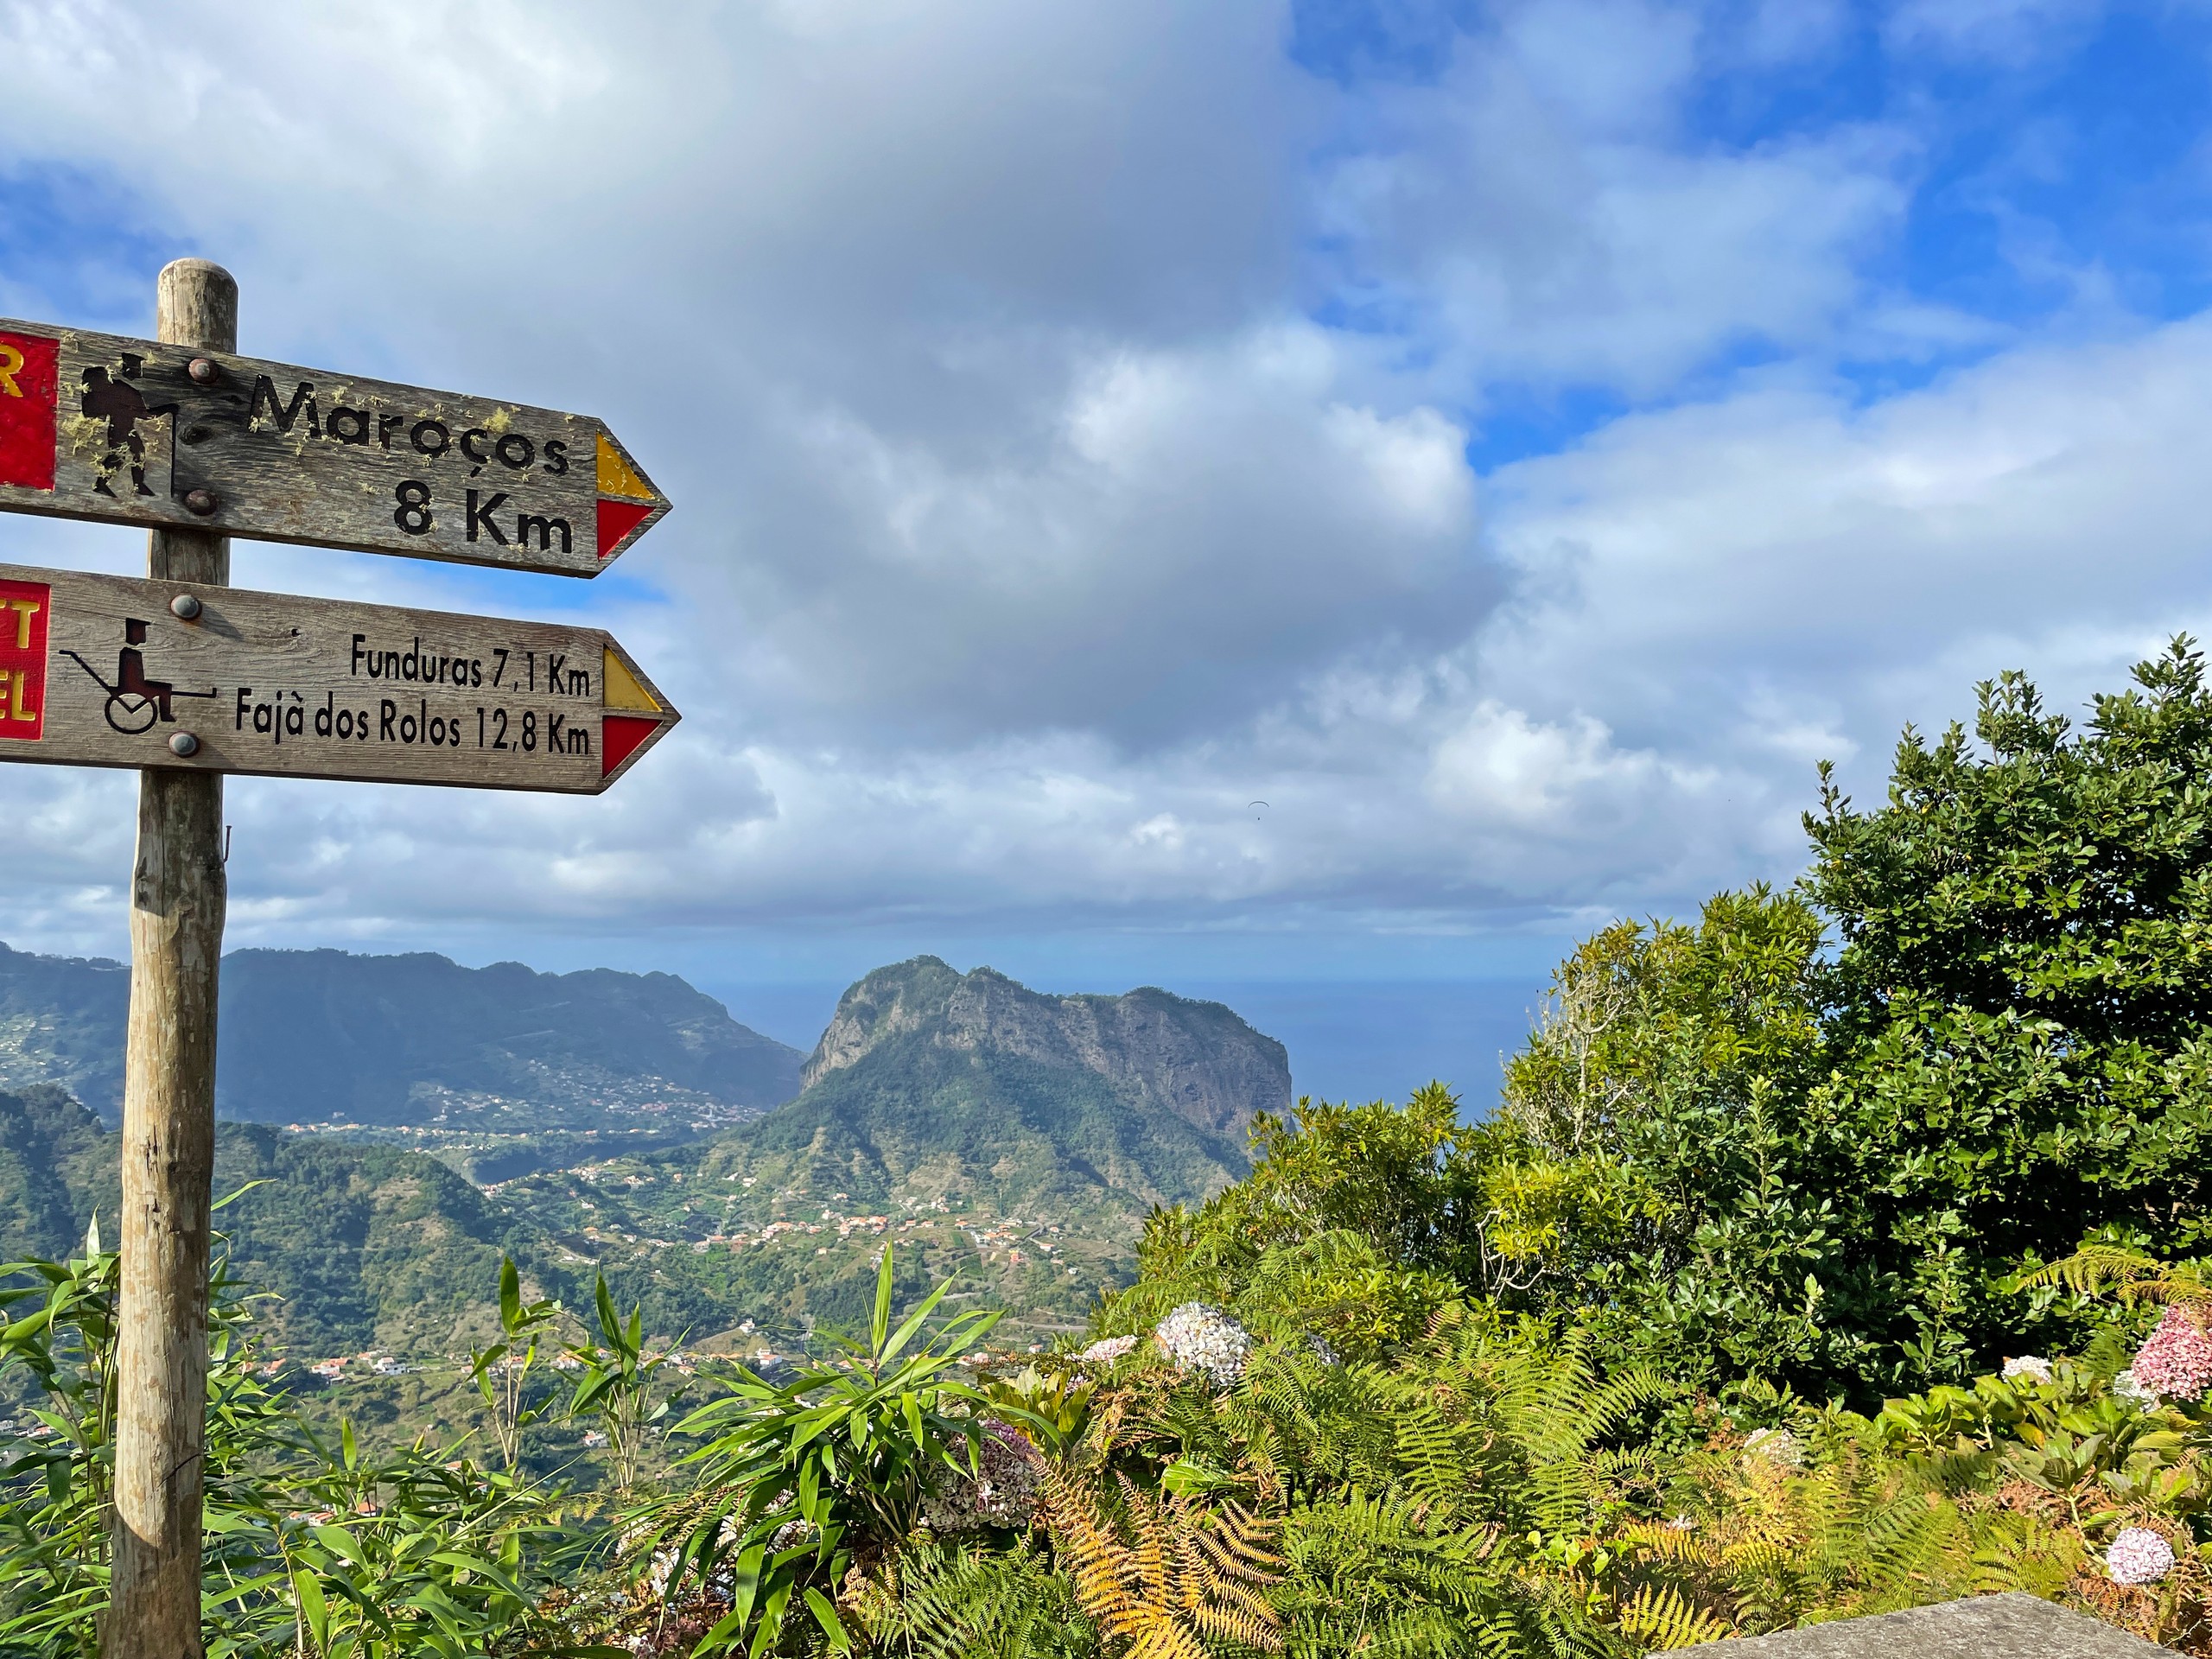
(186,679)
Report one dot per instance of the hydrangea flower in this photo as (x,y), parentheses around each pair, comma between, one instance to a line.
(664,1561)
(1323,1351)
(2177,1361)
(2138,1555)
(791,1535)
(1198,1338)
(1105,1352)
(1778,1445)
(2129,1387)
(2031,1367)
(1004,1495)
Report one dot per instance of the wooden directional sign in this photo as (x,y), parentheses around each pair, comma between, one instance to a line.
(114,671)
(97,426)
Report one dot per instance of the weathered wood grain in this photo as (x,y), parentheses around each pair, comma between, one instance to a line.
(178,900)
(104,427)
(275,685)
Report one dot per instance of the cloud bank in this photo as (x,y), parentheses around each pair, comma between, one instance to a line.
(1145,468)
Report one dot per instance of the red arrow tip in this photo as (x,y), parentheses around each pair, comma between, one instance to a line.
(617,520)
(620,737)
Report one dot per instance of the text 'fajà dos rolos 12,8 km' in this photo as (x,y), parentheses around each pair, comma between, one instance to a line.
(116,671)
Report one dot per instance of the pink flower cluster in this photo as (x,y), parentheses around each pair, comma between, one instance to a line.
(2177,1361)
(2138,1555)
(1004,1495)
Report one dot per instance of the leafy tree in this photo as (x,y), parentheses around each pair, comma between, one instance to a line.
(1657,1117)
(2021,1013)
(1824,1167)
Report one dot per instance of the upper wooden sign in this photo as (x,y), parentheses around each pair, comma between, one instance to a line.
(117,671)
(97,426)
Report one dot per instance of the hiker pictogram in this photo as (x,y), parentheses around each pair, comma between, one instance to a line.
(123,406)
(135,702)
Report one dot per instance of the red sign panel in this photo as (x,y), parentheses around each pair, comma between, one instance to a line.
(25,610)
(29,394)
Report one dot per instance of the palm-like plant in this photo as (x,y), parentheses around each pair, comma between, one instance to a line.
(618,1373)
(798,1481)
(501,1372)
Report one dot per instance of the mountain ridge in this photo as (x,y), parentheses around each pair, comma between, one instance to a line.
(1007,1141)
(411,1038)
(930,1085)
(1147,1041)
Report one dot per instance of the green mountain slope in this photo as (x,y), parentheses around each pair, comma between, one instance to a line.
(326,1036)
(361,1245)
(402,1039)
(915,1119)
(932,1085)
(1007,1141)
(1010,1140)
(50,1166)
(61,1020)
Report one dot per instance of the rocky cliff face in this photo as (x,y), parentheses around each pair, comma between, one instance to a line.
(1195,1060)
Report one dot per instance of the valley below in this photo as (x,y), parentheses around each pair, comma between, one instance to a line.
(395,1126)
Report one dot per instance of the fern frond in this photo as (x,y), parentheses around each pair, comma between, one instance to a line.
(1166,1573)
(1661,1619)
(2129,1274)
(977,1604)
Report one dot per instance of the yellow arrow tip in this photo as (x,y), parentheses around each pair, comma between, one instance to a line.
(623,690)
(618,477)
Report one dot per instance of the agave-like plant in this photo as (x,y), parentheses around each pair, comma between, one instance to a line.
(799,1480)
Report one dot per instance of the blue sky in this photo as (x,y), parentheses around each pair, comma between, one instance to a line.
(1513,442)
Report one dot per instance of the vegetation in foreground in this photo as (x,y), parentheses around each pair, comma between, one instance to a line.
(1839,1252)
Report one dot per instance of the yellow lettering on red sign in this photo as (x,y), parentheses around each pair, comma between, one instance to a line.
(10,361)
(16,708)
(24,609)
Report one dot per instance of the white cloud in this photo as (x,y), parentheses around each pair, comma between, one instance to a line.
(2009,32)
(1066,409)
(1536,214)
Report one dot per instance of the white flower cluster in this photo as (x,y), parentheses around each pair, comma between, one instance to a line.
(2128,1387)
(1323,1351)
(1005,1494)
(1777,1446)
(2138,1555)
(1106,1352)
(1202,1339)
(2032,1368)
(664,1561)
(791,1535)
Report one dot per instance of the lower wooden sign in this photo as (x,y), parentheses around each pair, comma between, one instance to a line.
(117,671)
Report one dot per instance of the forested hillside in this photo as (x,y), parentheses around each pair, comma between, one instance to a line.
(929,1082)
(361,1245)
(61,1020)
(418,1040)
(1016,1141)
(397,1039)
